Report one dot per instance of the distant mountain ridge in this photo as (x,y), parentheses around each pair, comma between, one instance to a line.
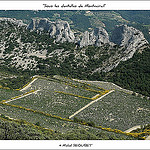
(121,56)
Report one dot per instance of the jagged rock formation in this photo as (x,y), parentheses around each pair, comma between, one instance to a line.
(39,24)
(129,41)
(97,37)
(23,49)
(60,30)
(129,38)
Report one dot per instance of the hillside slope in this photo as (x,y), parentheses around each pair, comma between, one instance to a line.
(53,99)
(23,130)
(133,74)
(35,52)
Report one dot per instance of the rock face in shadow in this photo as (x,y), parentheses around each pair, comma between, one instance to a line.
(39,24)
(129,38)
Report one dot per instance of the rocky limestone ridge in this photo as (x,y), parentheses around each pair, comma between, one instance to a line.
(129,41)
(97,37)
(13,20)
(106,55)
(60,30)
(129,38)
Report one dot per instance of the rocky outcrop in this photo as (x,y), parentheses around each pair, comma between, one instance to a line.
(14,21)
(24,51)
(39,24)
(129,41)
(97,37)
(129,38)
(59,30)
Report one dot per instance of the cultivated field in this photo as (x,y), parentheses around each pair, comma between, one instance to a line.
(118,110)
(51,101)
(7,94)
(55,124)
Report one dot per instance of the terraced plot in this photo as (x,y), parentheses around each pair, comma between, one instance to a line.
(7,94)
(51,102)
(45,121)
(58,97)
(53,123)
(118,110)
(55,85)
(105,85)
(80,84)
(63,97)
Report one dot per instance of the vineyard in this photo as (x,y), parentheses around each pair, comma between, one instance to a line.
(51,100)
(118,110)
(7,93)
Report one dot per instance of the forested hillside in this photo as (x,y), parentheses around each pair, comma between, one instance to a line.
(26,50)
(133,74)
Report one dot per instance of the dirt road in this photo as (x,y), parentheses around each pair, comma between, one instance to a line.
(90,104)
(21,96)
(133,128)
(25,88)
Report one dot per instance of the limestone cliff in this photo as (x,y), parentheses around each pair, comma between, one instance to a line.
(97,37)
(60,30)
(129,38)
